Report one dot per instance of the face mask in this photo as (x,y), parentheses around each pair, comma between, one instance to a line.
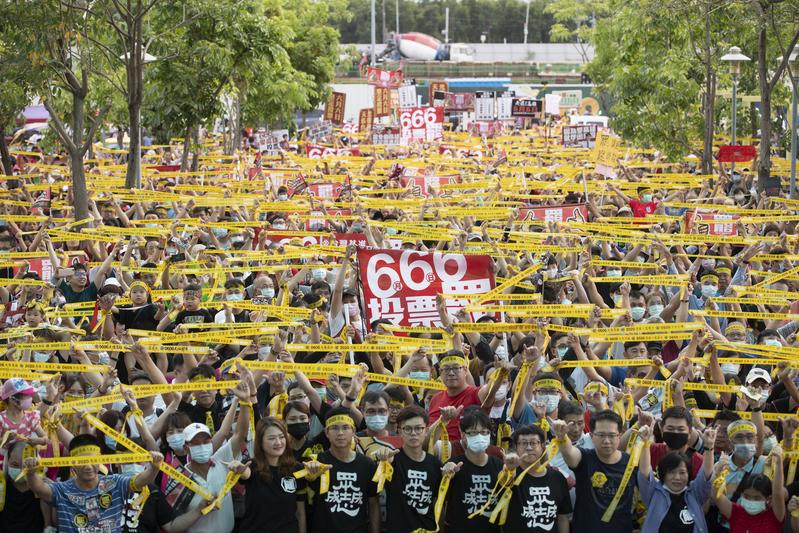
(201,453)
(772,342)
(14,473)
(565,301)
(613,273)
(353,310)
(103,358)
(502,393)
(730,368)
(238,239)
(235,297)
(675,440)
(391,231)
(647,198)
(318,274)
(279,225)
(39,357)
(322,394)
(219,232)
(751,506)
(675,492)
(745,451)
(552,273)
(299,429)
(769,443)
(282,197)
(637,312)
(655,309)
(617,300)
(264,351)
(110,442)
(25,403)
(376,422)
(357,228)
(551,400)
(739,198)
(132,469)
(708,264)
(176,441)
(419,375)
(478,443)
(561,350)
(708,291)
(269,292)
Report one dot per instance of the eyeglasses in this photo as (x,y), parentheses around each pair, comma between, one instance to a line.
(528,444)
(605,436)
(408,430)
(451,369)
(483,432)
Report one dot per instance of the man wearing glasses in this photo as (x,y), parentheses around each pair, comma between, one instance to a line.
(598,475)
(459,394)
(541,500)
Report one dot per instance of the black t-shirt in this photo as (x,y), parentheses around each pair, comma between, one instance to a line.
(679,519)
(271,506)
(537,502)
(411,494)
(22,511)
(198,413)
(597,484)
(344,508)
(155,514)
(138,317)
(200,316)
(469,490)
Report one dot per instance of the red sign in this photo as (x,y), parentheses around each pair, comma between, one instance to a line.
(315,151)
(711,223)
(436,86)
(334,109)
(382,101)
(44,267)
(384,78)
(486,129)
(365,119)
(420,185)
(401,285)
(555,213)
(737,153)
(422,124)
(459,102)
(525,108)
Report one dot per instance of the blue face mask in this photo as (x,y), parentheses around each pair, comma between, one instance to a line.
(110,442)
(562,351)
(219,232)
(478,443)
(613,273)
(376,422)
(176,441)
(752,507)
(419,375)
(201,453)
(269,292)
(708,291)
(646,198)
(637,312)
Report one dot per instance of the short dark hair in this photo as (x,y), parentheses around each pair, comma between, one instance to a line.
(412,411)
(759,482)
(568,407)
(474,416)
(205,371)
(606,415)
(528,430)
(84,439)
(673,460)
(632,343)
(374,396)
(192,287)
(234,284)
(726,416)
(677,411)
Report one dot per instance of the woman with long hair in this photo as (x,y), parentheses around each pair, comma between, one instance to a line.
(271,480)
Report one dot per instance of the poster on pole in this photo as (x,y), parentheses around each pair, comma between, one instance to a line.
(581,136)
(334,109)
(401,285)
(484,106)
(436,87)
(422,124)
(407,96)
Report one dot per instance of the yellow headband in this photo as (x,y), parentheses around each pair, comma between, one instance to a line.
(340,419)
(709,277)
(723,270)
(739,426)
(453,360)
(200,377)
(319,303)
(735,326)
(594,386)
(35,305)
(545,383)
(139,284)
(88,449)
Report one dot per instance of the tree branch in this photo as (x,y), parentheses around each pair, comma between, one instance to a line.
(93,128)
(58,125)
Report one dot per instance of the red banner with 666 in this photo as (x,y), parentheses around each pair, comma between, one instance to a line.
(401,285)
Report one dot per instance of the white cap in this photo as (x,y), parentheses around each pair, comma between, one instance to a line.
(192,430)
(758,373)
(111,281)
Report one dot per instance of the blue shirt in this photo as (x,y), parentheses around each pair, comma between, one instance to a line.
(99,510)
(658,501)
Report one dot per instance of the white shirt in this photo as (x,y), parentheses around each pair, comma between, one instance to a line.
(221,520)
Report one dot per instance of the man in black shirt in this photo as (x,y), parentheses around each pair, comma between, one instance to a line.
(22,510)
(191,313)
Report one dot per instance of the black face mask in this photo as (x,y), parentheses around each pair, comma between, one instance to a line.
(299,429)
(674,440)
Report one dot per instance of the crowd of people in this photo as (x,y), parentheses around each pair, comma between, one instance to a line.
(159,370)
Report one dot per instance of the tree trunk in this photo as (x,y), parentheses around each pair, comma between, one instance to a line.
(80,196)
(184,158)
(5,156)
(764,150)
(133,176)
(195,158)
(235,144)
(710,100)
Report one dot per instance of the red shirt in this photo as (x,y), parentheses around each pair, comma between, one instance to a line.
(466,398)
(743,522)
(659,449)
(641,209)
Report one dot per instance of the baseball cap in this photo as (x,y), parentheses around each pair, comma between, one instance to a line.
(192,430)
(16,386)
(758,373)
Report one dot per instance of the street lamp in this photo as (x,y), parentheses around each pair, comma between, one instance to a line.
(734,57)
(793,61)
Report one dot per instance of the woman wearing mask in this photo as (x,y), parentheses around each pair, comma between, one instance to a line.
(674,502)
(20,420)
(271,480)
(297,416)
(500,410)
(21,509)
(173,445)
(761,507)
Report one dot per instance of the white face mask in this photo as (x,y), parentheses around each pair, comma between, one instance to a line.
(502,393)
